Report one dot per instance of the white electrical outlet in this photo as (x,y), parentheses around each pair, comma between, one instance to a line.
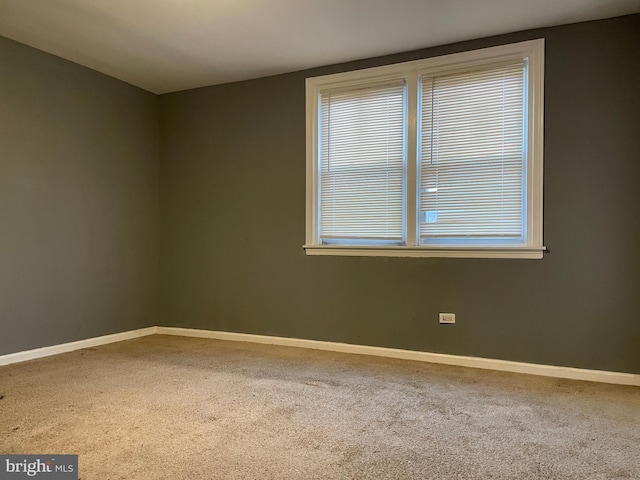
(447,317)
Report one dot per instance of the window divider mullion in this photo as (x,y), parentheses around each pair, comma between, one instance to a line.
(411,162)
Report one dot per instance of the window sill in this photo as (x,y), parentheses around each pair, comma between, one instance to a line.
(448,252)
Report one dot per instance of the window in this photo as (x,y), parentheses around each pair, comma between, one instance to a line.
(436,157)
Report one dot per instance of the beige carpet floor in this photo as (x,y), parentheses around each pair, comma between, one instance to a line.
(165,407)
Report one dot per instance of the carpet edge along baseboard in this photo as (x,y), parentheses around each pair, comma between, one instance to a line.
(618,378)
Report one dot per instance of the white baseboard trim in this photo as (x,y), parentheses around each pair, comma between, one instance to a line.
(618,378)
(71,346)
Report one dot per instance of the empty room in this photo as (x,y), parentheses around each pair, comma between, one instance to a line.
(287,239)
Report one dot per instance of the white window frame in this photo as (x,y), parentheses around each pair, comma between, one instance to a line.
(532,247)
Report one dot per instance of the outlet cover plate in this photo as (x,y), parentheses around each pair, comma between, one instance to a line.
(447,317)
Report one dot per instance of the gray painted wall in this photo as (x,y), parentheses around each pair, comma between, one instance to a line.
(79,210)
(79,206)
(233,223)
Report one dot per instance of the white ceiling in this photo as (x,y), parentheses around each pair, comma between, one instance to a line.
(169,45)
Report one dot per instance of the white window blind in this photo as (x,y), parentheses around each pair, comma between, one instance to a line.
(361,162)
(472,168)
